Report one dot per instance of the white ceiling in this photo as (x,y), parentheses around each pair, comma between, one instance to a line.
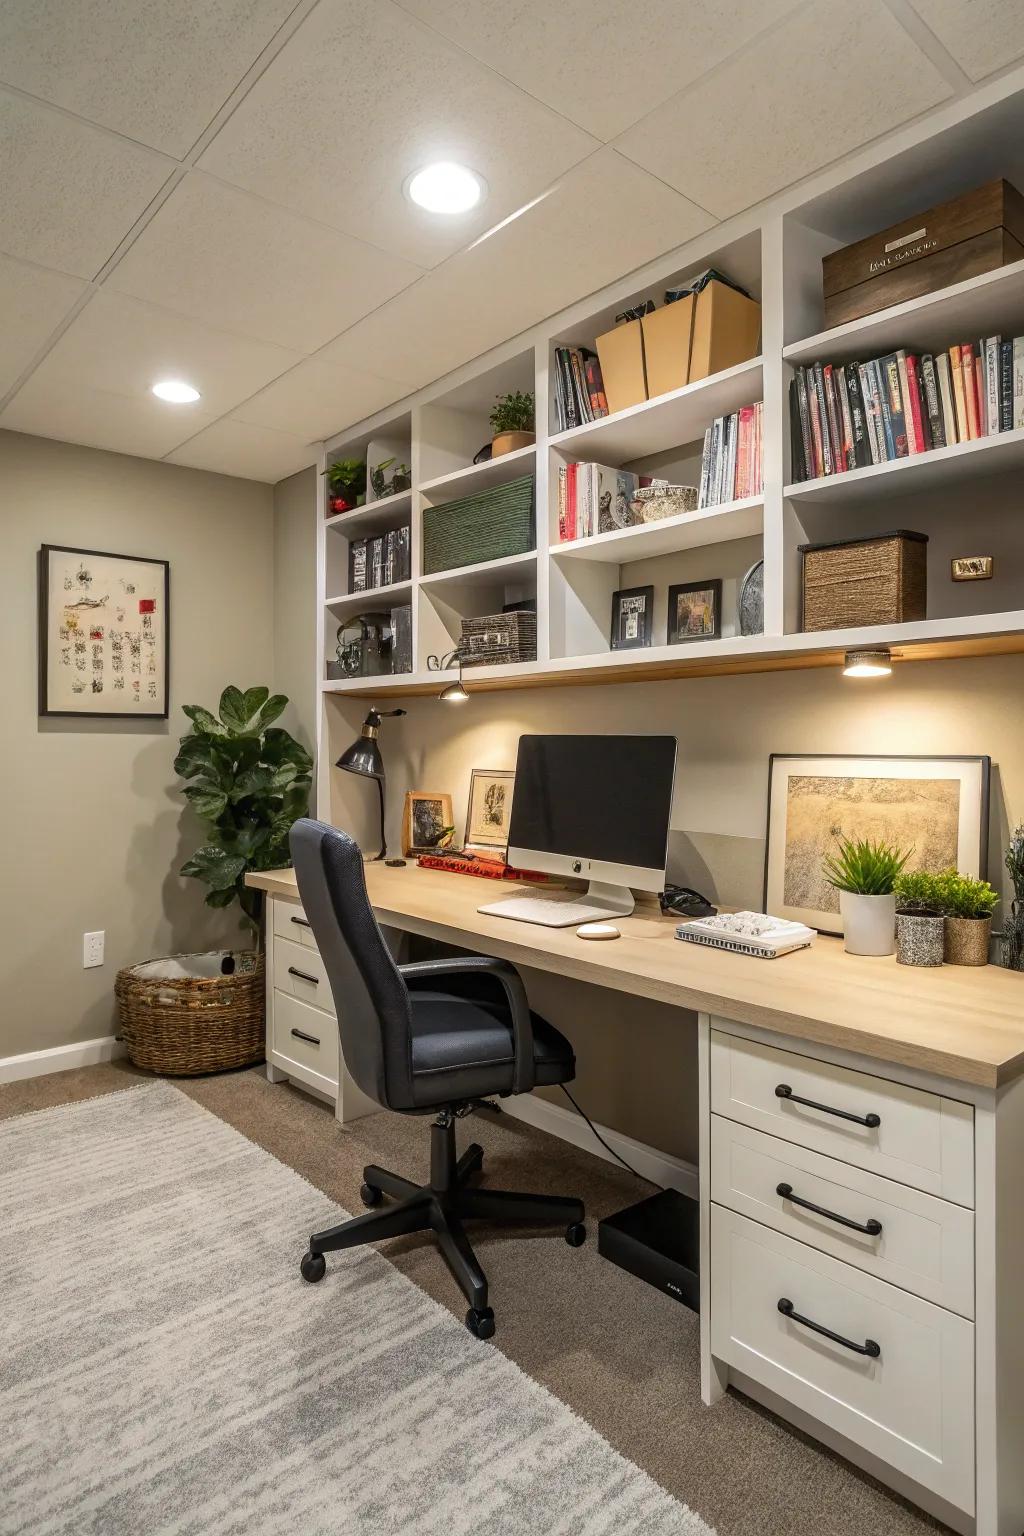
(212,189)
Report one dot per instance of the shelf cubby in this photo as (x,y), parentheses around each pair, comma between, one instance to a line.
(455,423)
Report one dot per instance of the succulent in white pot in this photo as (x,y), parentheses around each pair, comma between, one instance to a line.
(864,873)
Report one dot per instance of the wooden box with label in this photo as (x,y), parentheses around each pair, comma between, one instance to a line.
(946,244)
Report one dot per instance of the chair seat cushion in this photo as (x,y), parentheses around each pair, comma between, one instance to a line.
(462,1048)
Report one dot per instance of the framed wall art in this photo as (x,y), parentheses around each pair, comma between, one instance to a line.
(632,616)
(938,806)
(490,808)
(694,611)
(104,637)
(426,822)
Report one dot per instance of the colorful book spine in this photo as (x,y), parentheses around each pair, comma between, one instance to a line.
(912,399)
(992,383)
(893,417)
(1006,386)
(933,406)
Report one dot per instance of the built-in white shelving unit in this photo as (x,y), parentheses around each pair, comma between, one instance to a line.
(967,498)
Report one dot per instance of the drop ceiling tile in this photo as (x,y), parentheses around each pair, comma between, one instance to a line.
(252,453)
(141,426)
(363,95)
(33,300)
(982,36)
(122,346)
(318,398)
(155,72)
(231,260)
(605,218)
(625,59)
(828,79)
(70,192)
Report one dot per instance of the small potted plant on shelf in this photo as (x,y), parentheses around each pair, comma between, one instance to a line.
(920,926)
(1013,924)
(346,485)
(864,873)
(967,905)
(511,423)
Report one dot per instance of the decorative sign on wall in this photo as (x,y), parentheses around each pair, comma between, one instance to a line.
(103,634)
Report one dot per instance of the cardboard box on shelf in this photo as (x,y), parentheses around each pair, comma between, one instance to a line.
(726,330)
(667,335)
(621,353)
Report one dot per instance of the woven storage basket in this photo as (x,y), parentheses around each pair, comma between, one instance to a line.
(499,638)
(881,580)
(182,1016)
(488,526)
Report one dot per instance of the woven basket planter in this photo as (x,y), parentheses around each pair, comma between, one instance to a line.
(182,1016)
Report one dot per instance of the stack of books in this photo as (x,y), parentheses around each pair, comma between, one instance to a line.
(730,466)
(579,388)
(847,415)
(380,561)
(594,498)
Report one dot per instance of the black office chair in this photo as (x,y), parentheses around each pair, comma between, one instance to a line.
(432,1038)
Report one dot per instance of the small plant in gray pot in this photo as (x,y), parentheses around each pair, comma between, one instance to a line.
(920,925)
(864,873)
(967,905)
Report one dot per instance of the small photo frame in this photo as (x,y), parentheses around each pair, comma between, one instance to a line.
(426,820)
(490,809)
(694,612)
(632,617)
(937,806)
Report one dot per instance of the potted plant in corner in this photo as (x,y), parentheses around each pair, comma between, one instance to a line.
(967,905)
(346,485)
(511,423)
(920,926)
(248,781)
(864,873)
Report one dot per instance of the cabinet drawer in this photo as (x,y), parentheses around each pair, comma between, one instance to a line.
(914,1137)
(924,1244)
(299,971)
(306,1042)
(912,1406)
(290,922)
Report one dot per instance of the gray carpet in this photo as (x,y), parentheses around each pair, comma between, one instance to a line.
(165,1370)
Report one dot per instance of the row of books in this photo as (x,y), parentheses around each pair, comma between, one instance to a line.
(847,415)
(595,498)
(731,464)
(379,561)
(579,388)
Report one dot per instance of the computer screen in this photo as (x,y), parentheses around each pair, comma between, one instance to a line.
(601,798)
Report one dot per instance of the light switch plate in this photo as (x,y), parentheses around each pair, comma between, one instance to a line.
(92,949)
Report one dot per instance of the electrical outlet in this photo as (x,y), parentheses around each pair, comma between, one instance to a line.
(92,949)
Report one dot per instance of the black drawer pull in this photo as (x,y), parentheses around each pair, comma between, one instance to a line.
(872,1227)
(784,1091)
(309,1039)
(301,921)
(869,1347)
(303,975)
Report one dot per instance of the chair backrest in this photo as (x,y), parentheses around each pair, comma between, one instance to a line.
(371,999)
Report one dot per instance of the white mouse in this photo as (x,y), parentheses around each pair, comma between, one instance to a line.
(597,931)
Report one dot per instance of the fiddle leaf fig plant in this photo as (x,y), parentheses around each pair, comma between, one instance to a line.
(248,780)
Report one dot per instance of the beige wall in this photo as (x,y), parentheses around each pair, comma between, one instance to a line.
(639,1079)
(295,602)
(93,826)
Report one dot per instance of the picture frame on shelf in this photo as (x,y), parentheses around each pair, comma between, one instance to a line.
(104,634)
(632,618)
(427,822)
(936,806)
(694,611)
(489,810)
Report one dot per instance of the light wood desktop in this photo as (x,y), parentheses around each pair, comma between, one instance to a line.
(861,1135)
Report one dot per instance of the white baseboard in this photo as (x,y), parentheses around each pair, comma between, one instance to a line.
(60,1058)
(660,1167)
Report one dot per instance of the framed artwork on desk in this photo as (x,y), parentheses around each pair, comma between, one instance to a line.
(937,806)
(426,822)
(490,810)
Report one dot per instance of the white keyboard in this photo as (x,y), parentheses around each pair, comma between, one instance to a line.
(549,911)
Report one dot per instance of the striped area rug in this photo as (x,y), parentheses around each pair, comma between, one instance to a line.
(165,1371)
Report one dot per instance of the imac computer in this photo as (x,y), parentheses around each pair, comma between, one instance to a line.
(595,807)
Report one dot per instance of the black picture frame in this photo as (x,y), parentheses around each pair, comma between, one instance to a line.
(130,712)
(672,634)
(979,760)
(620,640)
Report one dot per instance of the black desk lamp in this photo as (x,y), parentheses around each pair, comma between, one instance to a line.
(364,757)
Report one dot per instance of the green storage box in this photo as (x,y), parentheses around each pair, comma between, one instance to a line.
(489,525)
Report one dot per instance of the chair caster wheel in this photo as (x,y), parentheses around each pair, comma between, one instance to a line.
(313,1267)
(369,1194)
(480,1322)
(576,1235)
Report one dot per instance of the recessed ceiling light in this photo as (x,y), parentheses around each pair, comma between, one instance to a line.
(877,663)
(176,391)
(445,188)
